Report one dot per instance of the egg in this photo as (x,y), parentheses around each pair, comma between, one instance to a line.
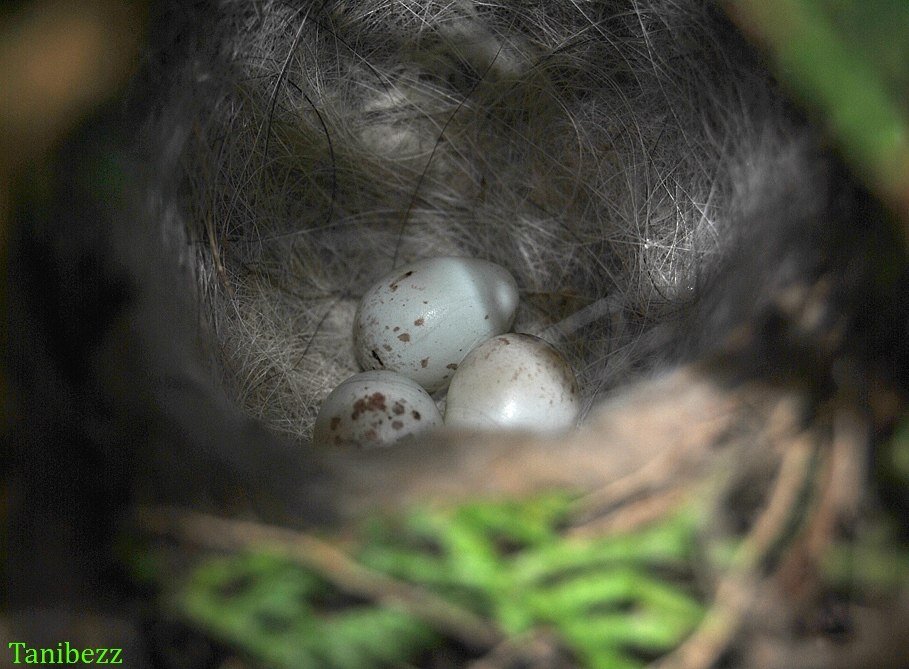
(513,381)
(423,318)
(375,408)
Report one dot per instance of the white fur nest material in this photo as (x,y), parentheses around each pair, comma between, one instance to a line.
(602,151)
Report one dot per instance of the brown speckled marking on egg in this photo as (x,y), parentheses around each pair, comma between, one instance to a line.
(500,341)
(394,284)
(424,362)
(374,402)
(419,322)
(377,410)
(404,337)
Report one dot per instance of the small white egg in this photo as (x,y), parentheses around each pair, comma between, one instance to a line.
(423,318)
(375,408)
(513,381)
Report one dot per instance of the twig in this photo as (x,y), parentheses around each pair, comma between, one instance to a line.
(633,515)
(330,563)
(737,588)
(838,499)
(651,477)
(538,650)
(843,487)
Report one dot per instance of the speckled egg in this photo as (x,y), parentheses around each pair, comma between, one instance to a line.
(514,381)
(375,408)
(422,319)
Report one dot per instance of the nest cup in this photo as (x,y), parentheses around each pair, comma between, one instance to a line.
(602,155)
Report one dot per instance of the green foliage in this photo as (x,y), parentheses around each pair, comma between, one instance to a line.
(878,30)
(613,602)
(848,61)
(877,565)
(276,612)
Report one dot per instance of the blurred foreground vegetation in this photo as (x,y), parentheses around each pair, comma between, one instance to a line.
(615,602)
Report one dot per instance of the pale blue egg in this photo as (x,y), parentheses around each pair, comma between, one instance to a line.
(423,318)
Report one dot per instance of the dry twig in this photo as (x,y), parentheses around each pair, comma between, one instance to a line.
(633,515)
(737,589)
(653,476)
(840,489)
(534,651)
